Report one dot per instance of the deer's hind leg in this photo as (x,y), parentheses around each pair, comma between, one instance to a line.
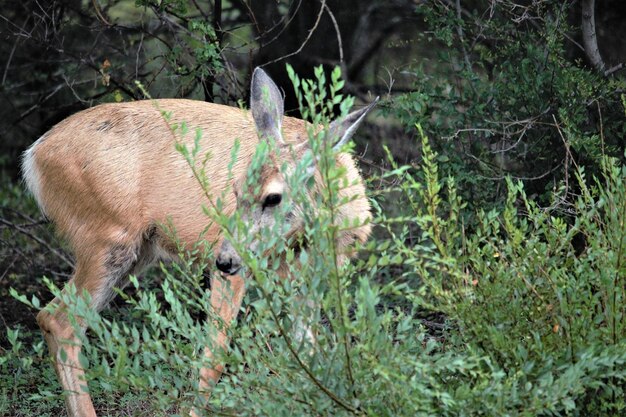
(99,268)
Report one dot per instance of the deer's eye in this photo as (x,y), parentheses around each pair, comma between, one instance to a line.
(272,200)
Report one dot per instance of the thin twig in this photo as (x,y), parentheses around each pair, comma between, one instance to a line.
(137,56)
(40,102)
(306,40)
(202,12)
(289,16)
(10,58)
(565,143)
(332,17)
(601,127)
(613,69)
(501,177)
(325,168)
(302,365)
(38,240)
(99,13)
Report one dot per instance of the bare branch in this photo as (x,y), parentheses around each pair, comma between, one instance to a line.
(17,40)
(339,42)
(283,23)
(613,69)
(308,37)
(37,239)
(202,12)
(99,13)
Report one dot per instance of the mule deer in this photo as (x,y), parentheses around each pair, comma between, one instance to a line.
(107,176)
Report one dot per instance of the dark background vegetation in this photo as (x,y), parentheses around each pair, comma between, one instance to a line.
(503,88)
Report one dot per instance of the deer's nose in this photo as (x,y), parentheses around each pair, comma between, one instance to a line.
(227,264)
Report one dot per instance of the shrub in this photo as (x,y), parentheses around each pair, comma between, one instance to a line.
(504,96)
(535,297)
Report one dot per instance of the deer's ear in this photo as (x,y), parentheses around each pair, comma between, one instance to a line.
(341,130)
(267,106)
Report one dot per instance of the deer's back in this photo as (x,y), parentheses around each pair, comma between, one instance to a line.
(114,168)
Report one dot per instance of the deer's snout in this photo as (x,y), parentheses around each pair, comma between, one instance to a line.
(227,260)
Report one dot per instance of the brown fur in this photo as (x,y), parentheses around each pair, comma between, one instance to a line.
(114,184)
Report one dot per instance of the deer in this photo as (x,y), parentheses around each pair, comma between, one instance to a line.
(108,176)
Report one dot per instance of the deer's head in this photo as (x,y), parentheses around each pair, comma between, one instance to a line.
(258,204)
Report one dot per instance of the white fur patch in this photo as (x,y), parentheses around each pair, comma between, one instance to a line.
(274,187)
(32,177)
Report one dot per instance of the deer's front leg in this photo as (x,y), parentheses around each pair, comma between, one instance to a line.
(226,297)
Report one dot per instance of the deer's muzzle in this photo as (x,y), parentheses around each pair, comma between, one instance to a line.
(228,261)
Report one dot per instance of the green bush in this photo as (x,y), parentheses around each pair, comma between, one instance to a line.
(536,297)
(503,95)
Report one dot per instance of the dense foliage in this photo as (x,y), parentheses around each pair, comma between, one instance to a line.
(513,102)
